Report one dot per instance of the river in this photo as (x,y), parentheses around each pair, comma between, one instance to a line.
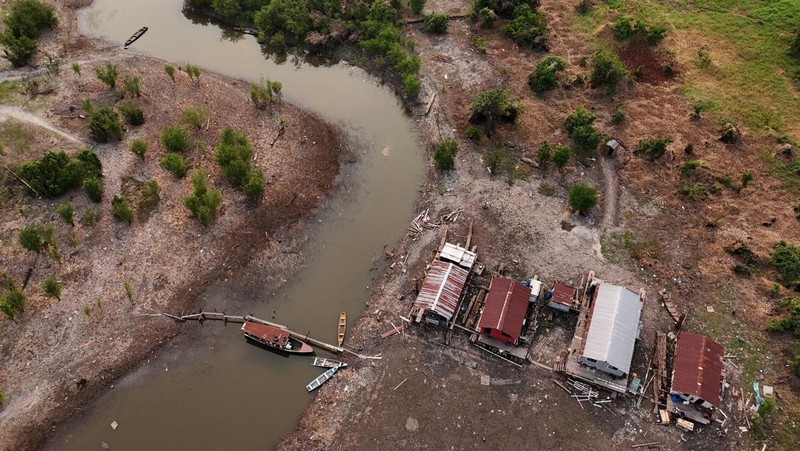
(208,389)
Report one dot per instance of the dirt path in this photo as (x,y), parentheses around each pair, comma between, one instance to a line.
(610,191)
(7,112)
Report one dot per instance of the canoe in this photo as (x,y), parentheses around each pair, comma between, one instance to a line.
(274,339)
(328,363)
(342,328)
(321,379)
(134,37)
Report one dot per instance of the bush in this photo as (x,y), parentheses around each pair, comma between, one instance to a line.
(544,153)
(416,6)
(133,114)
(28,17)
(107,74)
(607,70)
(193,117)
(436,23)
(170,71)
(18,50)
(472,132)
(786,260)
(175,139)
(580,128)
(623,28)
(174,163)
(253,186)
(104,124)
(445,153)
(76,67)
(94,189)
(53,175)
(121,209)
(411,86)
(51,287)
(12,303)
(193,72)
(37,237)
(132,85)
(527,28)
(67,213)
(747,177)
(653,148)
(203,201)
(499,160)
(655,33)
(264,95)
(89,216)
(492,106)
(561,156)
(582,197)
(139,147)
(487,17)
(233,155)
(544,76)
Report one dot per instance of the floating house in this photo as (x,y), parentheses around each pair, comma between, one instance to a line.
(697,376)
(505,310)
(440,293)
(611,330)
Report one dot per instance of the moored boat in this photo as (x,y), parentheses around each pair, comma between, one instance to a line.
(134,37)
(321,379)
(328,363)
(342,328)
(274,338)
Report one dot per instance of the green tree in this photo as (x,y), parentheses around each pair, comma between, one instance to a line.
(203,201)
(582,197)
(67,212)
(580,128)
(175,139)
(121,209)
(18,50)
(653,148)
(527,27)
(289,17)
(52,175)
(193,117)
(133,114)
(104,125)
(139,147)
(623,28)
(544,76)
(607,70)
(174,163)
(28,17)
(170,72)
(445,153)
(51,287)
(37,237)
(492,106)
(94,189)
(13,303)
(416,6)
(786,260)
(436,23)
(561,156)
(107,74)
(132,85)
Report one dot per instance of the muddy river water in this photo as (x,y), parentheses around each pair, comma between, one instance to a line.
(208,389)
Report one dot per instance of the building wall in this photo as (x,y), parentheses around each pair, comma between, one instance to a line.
(497,335)
(601,366)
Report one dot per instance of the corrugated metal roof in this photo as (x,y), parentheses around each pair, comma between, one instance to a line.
(441,289)
(697,369)
(563,294)
(506,306)
(613,326)
(458,255)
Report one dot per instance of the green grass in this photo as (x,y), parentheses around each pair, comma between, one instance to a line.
(8,89)
(16,135)
(786,173)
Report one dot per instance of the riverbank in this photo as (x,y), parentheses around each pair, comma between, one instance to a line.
(61,353)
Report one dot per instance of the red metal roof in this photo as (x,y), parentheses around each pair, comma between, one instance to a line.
(563,294)
(506,306)
(697,369)
(441,289)
(267,333)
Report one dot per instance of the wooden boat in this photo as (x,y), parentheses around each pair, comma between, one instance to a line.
(321,379)
(328,363)
(274,338)
(342,328)
(134,37)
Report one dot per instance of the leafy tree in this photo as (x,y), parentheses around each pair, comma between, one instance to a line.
(133,114)
(18,50)
(139,147)
(580,129)
(67,212)
(121,209)
(289,17)
(107,74)
(436,23)
(13,303)
(175,139)
(94,189)
(174,163)
(494,105)
(445,153)
(527,28)
(544,76)
(170,72)
(193,117)
(52,287)
(623,28)
(561,156)
(104,124)
(203,201)
(416,6)
(132,85)
(607,70)
(786,260)
(582,197)
(37,237)
(653,148)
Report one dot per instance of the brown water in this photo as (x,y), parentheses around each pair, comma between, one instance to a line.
(208,389)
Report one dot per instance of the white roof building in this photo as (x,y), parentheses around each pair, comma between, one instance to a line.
(612,329)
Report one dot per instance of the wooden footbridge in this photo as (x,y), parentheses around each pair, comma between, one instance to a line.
(216,316)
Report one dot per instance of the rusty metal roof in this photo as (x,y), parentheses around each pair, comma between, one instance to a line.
(563,294)
(441,289)
(697,369)
(506,306)
(267,333)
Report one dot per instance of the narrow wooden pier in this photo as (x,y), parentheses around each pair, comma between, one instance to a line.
(216,316)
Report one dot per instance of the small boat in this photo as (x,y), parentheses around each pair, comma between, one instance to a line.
(321,379)
(274,338)
(134,37)
(328,363)
(342,328)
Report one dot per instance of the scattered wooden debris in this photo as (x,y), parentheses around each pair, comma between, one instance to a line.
(685,424)
(673,311)
(645,444)
(394,330)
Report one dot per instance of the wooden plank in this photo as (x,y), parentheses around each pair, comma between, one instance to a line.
(393,331)
(430,104)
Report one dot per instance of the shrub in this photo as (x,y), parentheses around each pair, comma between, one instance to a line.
(28,17)
(416,6)
(94,189)
(37,237)
(139,147)
(148,199)
(655,33)
(561,156)
(623,28)
(487,17)
(174,163)
(107,74)
(193,72)
(76,67)
(51,287)
(472,132)
(253,186)
(132,85)
(786,260)
(203,201)
(544,76)
(121,209)
(618,117)
(54,174)
(445,153)
(584,7)
(133,114)
(193,117)
(67,212)
(89,216)
(492,106)
(265,94)
(544,153)
(12,303)
(499,160)
(527,27)
(580,128)
(170,72)
(582,197)
(104,124)
(653,148)
(607,70)
(175,139)
(18,50)
(747,177)
(436,23)
(411,86)
(233,155)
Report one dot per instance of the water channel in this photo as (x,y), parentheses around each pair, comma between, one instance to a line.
(208,389)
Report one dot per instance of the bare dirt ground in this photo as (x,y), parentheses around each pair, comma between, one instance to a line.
(94,332)
(648,234)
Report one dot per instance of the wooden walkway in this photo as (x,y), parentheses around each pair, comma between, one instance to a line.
(215,316)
